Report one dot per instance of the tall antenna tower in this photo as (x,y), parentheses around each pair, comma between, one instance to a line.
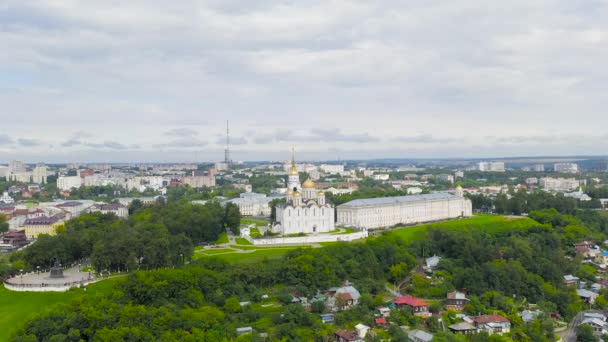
(227,159)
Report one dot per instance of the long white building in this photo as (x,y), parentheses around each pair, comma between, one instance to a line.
(388,211)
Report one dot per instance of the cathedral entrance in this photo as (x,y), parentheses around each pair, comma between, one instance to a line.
(314,228)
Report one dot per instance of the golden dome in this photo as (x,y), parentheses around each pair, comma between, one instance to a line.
(296,194)
(459,188)
(308,184)
(290,192)
(293,171)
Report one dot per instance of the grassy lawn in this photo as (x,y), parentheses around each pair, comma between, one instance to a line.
(213,251)
(259,223)
(246,248)
(18,307)
(246,253)
(255,232)
(489,223)
(223,239)
(256,256)
(242,241)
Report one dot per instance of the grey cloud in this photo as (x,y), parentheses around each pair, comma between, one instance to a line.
(75,139)
(181,132)
(221,140)
(315,135)
(336,135)
(425,139)
(5,139)
(184,143)
(28,142)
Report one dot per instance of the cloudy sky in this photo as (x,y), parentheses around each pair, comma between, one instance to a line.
(156,80)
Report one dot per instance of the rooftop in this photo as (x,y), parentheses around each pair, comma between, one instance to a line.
(397,199)
(410,301)
(494,318)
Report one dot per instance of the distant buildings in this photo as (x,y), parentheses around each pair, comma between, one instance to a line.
(559,184)
(252,204)
(199,180)
(491,166)
(67,183)
(5,198)
(110,208)
(388,211)
(41,225)
(566,167)
(39,175)
(332,169)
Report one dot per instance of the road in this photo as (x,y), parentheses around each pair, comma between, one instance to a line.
(570,336)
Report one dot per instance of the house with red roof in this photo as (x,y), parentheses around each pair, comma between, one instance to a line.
(381,321)
(419,307)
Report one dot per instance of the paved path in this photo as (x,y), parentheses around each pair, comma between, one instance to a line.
(70,275)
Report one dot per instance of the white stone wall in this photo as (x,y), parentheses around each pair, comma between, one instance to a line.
(310,239)
(306,219)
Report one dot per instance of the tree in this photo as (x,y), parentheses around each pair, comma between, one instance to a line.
(584,333)
(3,224)
(232,217)
(232,304)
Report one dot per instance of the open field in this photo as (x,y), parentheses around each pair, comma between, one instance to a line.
(240,253)
(489,223)
(18,307)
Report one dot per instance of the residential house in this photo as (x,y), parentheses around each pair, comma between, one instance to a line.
(582,248)
(587,296)
(342,298)
(456,301)
(529,315)
(381,321)
(420,336)
(602,258)
(347,336)
(419,307)
(385,312)
(327,318)
(463,328)
(493,324)
(599,327)
(431,263)
(15,238)
(570,280)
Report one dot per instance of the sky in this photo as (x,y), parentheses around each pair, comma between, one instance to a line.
(148,80)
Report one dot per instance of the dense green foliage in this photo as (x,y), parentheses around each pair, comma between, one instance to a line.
(3,224)
(521,202)
(502,263)
(154,236)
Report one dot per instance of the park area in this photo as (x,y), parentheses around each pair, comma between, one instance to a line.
(491,224)
(18,307)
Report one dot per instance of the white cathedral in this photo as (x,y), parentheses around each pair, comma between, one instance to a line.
(305,210)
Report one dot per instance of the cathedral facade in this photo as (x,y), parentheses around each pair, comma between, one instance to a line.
(305,210)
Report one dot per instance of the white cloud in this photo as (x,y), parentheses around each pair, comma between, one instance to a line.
(148,70)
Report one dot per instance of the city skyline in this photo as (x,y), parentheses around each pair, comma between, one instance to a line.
(338,79)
